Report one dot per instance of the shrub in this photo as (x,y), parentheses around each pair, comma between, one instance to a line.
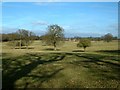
(84,43)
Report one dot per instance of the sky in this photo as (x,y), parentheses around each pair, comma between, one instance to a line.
(84,19)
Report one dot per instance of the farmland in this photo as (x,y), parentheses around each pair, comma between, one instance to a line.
(68,67)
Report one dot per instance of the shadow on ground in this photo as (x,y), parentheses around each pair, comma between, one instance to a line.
(78,51)
(51,49)
(100,65)
(19,67)
(11,75)
(109,51)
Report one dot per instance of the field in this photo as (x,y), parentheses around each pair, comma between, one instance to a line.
(69,67)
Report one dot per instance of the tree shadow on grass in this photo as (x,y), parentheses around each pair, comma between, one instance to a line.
(16,73)
(109,51)
(101,58)
(45,76)
(78,51)
(99,66)
(51,49)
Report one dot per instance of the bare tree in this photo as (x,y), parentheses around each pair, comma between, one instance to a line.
(25,36)
(54,35)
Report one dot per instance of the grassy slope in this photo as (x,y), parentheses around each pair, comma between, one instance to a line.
(41,69)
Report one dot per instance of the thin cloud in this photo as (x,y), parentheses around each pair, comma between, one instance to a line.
(50,3)
(66,27)
(39,23)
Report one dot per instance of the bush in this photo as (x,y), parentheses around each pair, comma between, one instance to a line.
(108,37)
(84,43)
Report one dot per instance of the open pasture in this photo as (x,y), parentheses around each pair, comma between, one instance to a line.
(69,67)
(68,46)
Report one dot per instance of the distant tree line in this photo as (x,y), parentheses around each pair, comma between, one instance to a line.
(106,37)
(19,38)
(15,36)
(53,36)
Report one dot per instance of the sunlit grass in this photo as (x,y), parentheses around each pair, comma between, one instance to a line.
(68,46)
(98,67)
(73,70)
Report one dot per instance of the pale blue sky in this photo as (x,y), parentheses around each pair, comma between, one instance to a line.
(77,18)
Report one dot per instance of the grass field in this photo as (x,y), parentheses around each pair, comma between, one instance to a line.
(68,46)
(42,67)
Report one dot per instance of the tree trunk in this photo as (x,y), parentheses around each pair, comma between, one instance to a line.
(20,43)
(84,49)
(55,46)
(13,44)
(26,44)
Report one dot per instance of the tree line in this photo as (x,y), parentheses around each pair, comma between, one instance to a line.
(53,36)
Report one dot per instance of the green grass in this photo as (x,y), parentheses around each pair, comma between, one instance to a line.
(61,70)
(68,46)
(40,68)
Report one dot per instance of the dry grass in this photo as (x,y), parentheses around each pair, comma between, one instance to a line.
(68,46)
(43,67)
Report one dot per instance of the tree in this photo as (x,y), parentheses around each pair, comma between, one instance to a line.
(54,35)
(84,43)
(108,37)
(25,36)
